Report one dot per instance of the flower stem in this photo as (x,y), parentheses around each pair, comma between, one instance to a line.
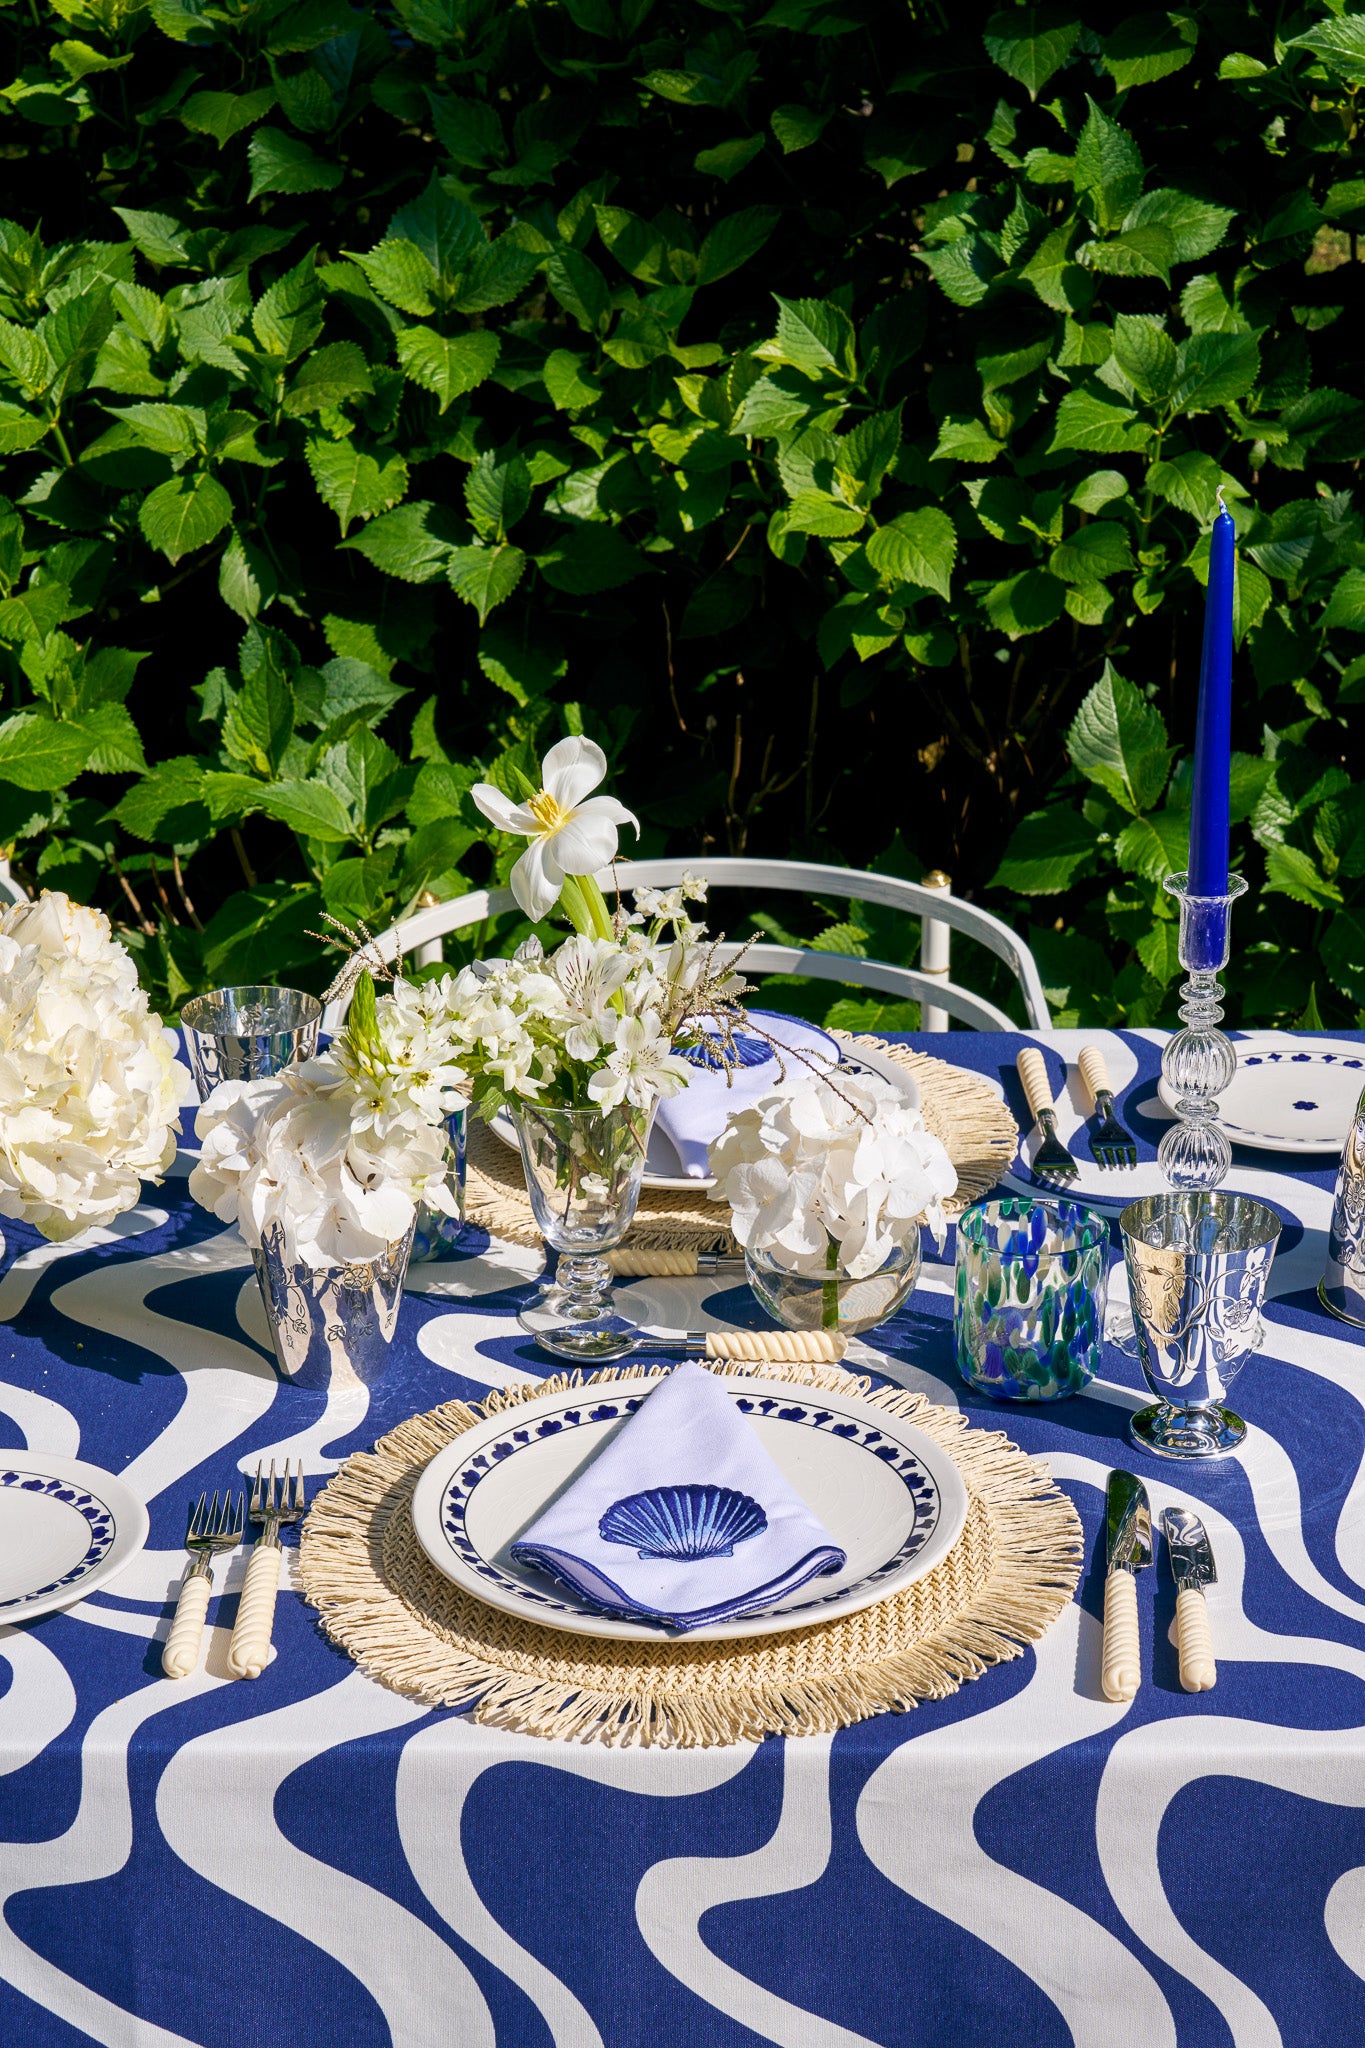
(829,1313)
(596,905)
(574,908)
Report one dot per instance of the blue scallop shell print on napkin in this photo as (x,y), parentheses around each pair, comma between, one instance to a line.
(682,1518)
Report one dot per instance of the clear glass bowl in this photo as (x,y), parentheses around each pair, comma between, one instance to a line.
(834,1300)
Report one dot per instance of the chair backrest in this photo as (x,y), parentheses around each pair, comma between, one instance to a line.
(806,878)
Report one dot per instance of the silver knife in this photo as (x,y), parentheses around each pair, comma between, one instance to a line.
(1129,1526)
(1192,1562)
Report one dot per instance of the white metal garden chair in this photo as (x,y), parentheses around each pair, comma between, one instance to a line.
(932,902)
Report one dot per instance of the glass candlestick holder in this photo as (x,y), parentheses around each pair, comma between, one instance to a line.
(1199,1061)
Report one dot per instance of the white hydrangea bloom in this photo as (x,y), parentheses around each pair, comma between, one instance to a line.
(89,1088)
(845,1161)
(300,1151)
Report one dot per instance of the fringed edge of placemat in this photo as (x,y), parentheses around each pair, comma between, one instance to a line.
(1035,1562)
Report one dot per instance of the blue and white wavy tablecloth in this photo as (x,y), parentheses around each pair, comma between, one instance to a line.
(310,1858)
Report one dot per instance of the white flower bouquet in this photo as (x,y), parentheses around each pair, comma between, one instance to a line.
(89,1088)
(832,1177)
(329,1159)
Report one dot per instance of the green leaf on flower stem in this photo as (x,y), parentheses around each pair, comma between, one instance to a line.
(484,576)
(115,745)
(412,542)
(1025,604)
(1154,846)
(224,114)
(812,335)
(287,319)
(1099,425)
(167,803)
(728,159)
(281,162)
(354,484)
(260,932)
(19,429)
(1147,47)
(1030,43)
(1108,167)
(1346,606)
(444,227)
(918,547)
(246,578)
(439,792)
(1340,44)
(1291,872)
(1159,951)
(589,559)
(1195,226)
(38,753)
(259,722)
(496,494)
(1137,252)
(186,513)
(732,242)
(327,378)
(580,288)
(1251,597)
(571,385)
(1118,739)
(1190,482)
(1214,369)
(1145,353)
(817,512)
(447,368)
(400,274)
(1343,953)
(966,440)
(312,809)
(1091,553)
(1046,853)
(369,778)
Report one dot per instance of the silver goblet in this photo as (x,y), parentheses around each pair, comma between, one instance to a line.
(1342,1287)
(242,1034)
(1198,1264)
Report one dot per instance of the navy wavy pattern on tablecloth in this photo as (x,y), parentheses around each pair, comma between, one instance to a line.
(311,1857)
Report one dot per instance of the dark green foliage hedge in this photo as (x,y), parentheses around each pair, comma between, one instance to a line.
(822,403)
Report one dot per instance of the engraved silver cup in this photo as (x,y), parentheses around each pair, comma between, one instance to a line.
(331,1326)
(1198,1264)
(241,1034)
(1342,1287)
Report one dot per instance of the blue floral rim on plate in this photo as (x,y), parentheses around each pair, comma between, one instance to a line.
(87,1505)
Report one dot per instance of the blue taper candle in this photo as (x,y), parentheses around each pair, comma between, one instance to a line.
(1209,799)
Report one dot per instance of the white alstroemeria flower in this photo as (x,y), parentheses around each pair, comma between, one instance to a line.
(639,1066)
(588,973)
(571,832)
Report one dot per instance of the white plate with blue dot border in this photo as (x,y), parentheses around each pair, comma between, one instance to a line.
(891,1498)
(66,1528)
(1290,1094)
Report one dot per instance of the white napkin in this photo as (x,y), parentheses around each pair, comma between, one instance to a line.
(685,1125)
(682,1518)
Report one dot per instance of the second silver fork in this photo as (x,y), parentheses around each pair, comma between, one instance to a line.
(210,1529)
(1110,1144)
(249,1650)
(1052,1161)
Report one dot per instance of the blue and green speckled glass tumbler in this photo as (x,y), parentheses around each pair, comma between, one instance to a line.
(1028,1314)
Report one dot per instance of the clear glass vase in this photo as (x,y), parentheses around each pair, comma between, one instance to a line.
(834,1299)
(583,1172)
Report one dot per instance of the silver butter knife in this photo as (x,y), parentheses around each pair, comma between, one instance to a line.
(1129,1527)
(1192,1562)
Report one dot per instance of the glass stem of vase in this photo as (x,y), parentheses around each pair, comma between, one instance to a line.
(1199,1061)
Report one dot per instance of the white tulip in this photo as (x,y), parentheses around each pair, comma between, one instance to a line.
(571,831)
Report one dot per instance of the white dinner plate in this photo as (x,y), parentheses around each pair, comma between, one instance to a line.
(65,1528)
(863,1056)
(890,1498)
(1290,1095)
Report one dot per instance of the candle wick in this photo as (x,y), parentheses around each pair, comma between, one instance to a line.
(1222,508)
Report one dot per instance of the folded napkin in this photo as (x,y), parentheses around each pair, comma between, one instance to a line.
(683,1518)
(685,1125)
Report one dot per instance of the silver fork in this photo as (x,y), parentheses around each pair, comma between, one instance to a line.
(249,1650)
(1110,1144)
(210,1528)
(1052,1160)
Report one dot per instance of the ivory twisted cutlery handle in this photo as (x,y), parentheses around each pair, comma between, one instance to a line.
(1198,1667)
(1094,1072)
(1121,1665)
(209,1529)
(1032,1069)
(249,1651)
(181,1651)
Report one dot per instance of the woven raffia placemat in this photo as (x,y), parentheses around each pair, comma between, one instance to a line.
(1008,1577)
(961,1110)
